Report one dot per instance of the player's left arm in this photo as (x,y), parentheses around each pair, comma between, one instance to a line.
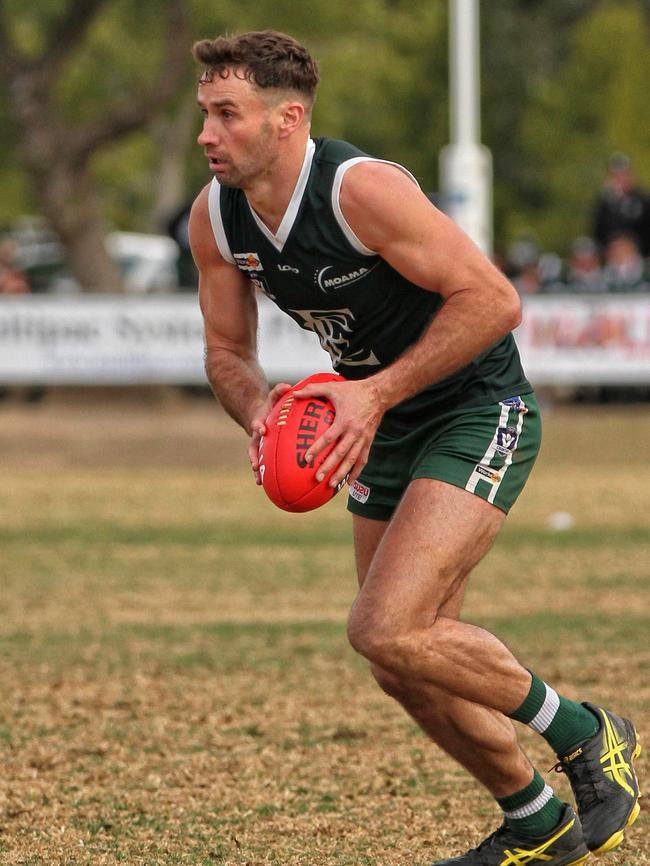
(391,216)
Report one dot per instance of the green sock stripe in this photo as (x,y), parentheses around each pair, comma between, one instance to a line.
(572,725)
(523,797)
(533,702)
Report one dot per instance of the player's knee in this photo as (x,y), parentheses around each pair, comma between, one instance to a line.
(373,640)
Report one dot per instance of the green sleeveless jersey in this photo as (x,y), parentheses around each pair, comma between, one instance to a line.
(363,311)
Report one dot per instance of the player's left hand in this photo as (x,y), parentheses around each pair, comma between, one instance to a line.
(258,427)
(359,409)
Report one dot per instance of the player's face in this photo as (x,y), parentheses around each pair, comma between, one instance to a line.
(238,135)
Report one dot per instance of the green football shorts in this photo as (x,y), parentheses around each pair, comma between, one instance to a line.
(487,450)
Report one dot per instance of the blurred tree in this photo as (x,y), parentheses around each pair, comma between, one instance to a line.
(557,98)
(523,43)
(81,74)
(385,89)
(383,67)
(590,102)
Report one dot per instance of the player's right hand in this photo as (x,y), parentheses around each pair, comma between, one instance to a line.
(258,426)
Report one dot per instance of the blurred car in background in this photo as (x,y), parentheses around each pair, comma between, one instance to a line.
(148,263)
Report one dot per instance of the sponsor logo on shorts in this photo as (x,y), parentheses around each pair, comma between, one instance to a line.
(488,474)
(248,261)
(506,440)
(359,492)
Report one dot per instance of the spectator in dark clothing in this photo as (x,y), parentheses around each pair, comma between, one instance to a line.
(622,206)
(188,277)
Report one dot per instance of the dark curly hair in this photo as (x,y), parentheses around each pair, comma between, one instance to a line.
(266,58)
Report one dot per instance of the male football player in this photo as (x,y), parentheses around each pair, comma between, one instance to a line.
(436,427)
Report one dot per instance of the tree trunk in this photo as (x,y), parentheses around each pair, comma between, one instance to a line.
(172,134)
(57,152)
(63,186)
(77,221)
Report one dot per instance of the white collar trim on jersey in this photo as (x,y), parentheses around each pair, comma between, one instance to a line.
(280,237)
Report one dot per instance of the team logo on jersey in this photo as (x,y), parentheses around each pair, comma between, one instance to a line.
(248,261)
(325,279)
(332,328)
(506,440)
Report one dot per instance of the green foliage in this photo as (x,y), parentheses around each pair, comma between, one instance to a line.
(594,104)
(564,84)
(385,90)
(126,174)
(123,49)
(16,198)
(30,23)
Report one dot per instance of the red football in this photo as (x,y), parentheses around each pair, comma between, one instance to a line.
(292,426)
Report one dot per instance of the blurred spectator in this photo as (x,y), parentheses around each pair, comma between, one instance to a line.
(177,228)
(522,266)
(584,274)
(13,281)
(622,206)
(625,269)
(531,271)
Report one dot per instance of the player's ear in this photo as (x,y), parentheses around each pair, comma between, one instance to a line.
(292,116)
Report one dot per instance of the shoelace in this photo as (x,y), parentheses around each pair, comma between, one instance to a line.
(582,782)
(487,843)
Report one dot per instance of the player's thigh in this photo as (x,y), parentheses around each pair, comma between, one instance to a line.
(419,570)
(367,535)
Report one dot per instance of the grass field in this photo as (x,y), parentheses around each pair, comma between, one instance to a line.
(176,683)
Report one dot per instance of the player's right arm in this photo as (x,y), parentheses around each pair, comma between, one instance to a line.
(229,308)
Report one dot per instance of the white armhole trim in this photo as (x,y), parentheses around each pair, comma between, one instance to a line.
(336,204)
(217,222)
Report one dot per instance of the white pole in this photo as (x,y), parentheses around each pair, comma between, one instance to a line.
(464,72)
(465,165)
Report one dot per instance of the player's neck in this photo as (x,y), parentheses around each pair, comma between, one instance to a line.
(271,193)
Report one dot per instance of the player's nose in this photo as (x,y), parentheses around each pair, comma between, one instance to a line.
(208,135)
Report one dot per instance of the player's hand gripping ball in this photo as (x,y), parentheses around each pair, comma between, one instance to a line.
(292,426)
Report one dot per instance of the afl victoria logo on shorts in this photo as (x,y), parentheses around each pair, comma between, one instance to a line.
(506,440)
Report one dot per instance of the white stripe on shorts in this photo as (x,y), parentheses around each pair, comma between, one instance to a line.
(508,460)
(475,477)
(547,711)
(534,806)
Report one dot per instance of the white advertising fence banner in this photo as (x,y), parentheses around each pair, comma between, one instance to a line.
(117,340)
(588,340)
(158,339)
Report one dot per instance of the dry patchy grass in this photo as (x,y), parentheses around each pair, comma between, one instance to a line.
(176,684)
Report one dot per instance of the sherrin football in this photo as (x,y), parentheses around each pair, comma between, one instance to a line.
(292,426)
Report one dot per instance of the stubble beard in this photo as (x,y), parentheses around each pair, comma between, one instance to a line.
(255,164)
